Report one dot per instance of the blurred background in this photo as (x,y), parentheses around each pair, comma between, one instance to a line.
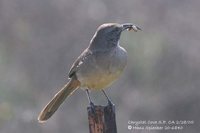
(40,39)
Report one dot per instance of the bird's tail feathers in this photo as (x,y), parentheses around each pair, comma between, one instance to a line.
(58,99)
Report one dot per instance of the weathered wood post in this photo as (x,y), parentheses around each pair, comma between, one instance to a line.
(102,119)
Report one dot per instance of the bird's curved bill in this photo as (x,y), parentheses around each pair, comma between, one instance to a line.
(129,27)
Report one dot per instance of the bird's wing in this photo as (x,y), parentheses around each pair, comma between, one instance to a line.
(80,60)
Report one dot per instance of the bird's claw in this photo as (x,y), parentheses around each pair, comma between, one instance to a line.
(92,107)
(111,106)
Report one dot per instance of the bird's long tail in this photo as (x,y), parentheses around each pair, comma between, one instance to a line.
(58,99)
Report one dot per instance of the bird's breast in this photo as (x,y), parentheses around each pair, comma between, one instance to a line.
(103,69)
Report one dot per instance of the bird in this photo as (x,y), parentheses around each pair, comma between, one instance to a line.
(99,65)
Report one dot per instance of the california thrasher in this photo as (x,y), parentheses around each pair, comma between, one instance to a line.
(96,68)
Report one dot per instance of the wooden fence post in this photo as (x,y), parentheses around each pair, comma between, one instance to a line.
(102,119)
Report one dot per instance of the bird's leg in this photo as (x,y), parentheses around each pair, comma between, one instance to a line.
(109,101)
(90,101)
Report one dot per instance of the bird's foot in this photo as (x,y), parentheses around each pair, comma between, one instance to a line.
(92,106)
(111,105)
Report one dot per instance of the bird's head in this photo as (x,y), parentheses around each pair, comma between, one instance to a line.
(115,29)
(108,34)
